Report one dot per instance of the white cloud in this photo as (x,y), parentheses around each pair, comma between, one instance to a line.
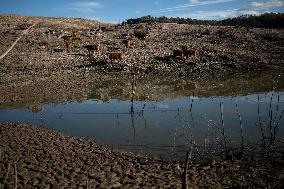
(216,15)
(192,3)
(82,6)
(254,8)
(266,5)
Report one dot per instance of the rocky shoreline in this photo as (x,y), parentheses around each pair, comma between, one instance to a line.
(32,156)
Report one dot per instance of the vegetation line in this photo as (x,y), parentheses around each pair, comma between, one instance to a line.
(266,20)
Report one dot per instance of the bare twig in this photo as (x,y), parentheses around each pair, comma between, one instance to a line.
(133,87)
(259,122)
(280,117)
(223,129)
(16,174)
(174,145)
(6,176)
(241,126)
(276,123)
(190,110)
(187,159)
(133,126)
(270,120)
(184,176)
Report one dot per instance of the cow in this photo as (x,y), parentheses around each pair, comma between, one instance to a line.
(188,52)
(140,33)
(71,40)
(178,53)
(114,56)
(24,26)
(92,48)
(69,43)
(102,28)
(127,42)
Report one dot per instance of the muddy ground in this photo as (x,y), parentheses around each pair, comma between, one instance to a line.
(34,74)
(32,156)
(219,49)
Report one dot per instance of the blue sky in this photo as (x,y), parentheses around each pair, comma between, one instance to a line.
(119,10)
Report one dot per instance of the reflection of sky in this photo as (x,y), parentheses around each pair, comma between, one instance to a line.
(162,121)
(264,98)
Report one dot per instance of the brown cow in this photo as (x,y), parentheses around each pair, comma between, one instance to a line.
(102,28)
(140,33)
(114,56)
(188,52)
(178,53)
(127,42)
(71,40)
(68,40)
(24,26)
(94,47)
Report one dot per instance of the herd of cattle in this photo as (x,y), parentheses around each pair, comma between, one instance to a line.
(138,33)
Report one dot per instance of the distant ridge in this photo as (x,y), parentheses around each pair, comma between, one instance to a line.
(267,20)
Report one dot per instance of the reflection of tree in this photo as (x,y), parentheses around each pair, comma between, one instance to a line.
(150,88)
(158,88)
(144,120)
(133,126)
(118,123)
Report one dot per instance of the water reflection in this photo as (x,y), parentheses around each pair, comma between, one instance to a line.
(166,115)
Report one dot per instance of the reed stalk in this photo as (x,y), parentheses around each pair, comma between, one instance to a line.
(16,175)
(7,175)
(190,110)
(275,123)
(133,89)
(241,127)
(270,113)
(259,122)
(174,143)
(223,130)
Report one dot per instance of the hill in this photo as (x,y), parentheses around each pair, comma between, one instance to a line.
(267,20)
